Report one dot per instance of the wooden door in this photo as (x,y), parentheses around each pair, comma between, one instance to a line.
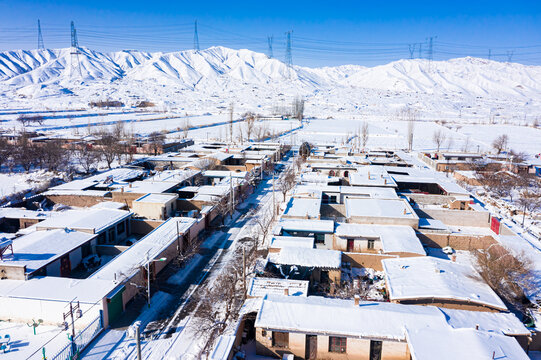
(311,347)
(375,349)
(351,244)
(65,266)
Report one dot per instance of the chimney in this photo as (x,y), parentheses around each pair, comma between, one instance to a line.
(476,326)
(357,299)
(121,189)
(385,181)
(405,211)
(453,258)
(369,175)
(286,292)
(129,185)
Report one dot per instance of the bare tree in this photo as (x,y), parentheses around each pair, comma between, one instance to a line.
(87,157)
(364,134)
(5,150)
(30,119)
(438,138)
(411,117)
(186,128)
(54,155)
(287,181)
(26,153)
(263,219)
(298,108)
(156,140)
(249,123)
(466,145)
(231,107)
(108,144)
(500,143)
(218,304)
(529,201)
(508,275)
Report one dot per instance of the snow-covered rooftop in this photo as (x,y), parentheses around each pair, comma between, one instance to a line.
(445,344)
(303,207)
(394,238)
(380,320)
(371,176)
(176,176)
(317,178)
(317,226)
(386,208)
(54,288)
(40,248)
(432,278)
(320,258)
(22,213)
(91,219)
(157,198)
(259,287)
(148,187)
(117,175)
(279,242)
(153,244)
(225,173)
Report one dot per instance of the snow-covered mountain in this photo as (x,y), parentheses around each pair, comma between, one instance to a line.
(219,72)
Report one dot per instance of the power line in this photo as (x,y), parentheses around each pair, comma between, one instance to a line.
(411,49)
(40,37)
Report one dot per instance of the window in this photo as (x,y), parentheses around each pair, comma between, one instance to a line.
(280,339)
(320,238)
(337,344)
(371,243)
(120,228)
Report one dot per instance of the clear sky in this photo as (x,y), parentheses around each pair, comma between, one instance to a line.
(324,32)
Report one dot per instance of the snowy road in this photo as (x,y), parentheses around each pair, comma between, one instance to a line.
(175,338)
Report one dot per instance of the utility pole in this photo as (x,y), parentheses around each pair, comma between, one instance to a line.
(273,198)
(231,195)
(269,42)
(40,37)
(244,271)
(289,58)
(231,122)
(138,339)
(74,52)
(73,309)
(195,38)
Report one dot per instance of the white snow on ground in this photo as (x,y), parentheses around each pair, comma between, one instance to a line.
(12,183)
(24,344)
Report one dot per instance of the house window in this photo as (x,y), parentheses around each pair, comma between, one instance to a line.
(120,228)
(320,238)
(280,339)
(371,243)
(337,344)
(333,199)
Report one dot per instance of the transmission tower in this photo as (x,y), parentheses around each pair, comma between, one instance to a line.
(74,52)
(412,50)
(489,53)
(430,51)
(420,51)
(40,37)
(289,58)
(510,55)
(195,38)
(269,41)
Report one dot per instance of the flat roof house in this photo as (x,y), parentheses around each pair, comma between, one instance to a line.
(437,282)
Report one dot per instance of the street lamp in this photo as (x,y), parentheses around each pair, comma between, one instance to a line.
(148,275)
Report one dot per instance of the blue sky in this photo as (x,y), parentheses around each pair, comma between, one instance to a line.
(324,33)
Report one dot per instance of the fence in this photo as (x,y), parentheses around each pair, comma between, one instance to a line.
(82,339)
